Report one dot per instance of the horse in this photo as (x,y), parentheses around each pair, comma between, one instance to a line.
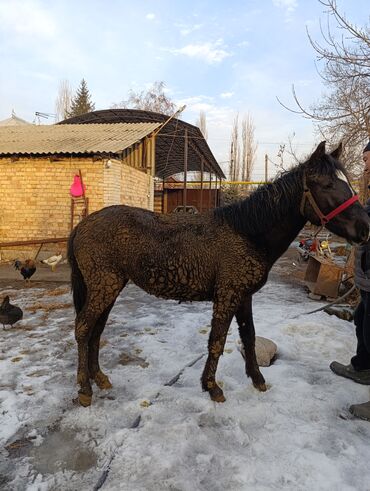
(223,255)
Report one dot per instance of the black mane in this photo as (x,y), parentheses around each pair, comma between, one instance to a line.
(272,202)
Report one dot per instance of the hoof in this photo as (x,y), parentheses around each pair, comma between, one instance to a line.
(102,381)
(84,400)
(217,395)
(261,387)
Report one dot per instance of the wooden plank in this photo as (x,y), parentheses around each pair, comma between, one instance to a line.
(33,242)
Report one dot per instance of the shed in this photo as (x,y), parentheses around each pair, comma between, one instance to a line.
(180,148)
(38,164)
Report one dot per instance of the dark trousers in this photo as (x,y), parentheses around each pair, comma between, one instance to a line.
(361,360)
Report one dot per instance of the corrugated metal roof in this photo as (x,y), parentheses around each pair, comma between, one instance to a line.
(169,145)
(72,138)
(13,121)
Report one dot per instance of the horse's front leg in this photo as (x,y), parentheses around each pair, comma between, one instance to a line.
(244,318)
(85,322)
(220,325)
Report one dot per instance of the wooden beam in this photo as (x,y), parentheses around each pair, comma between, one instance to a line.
(185,167)
(33,242)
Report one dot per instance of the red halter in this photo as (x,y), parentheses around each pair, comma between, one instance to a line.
(323,218)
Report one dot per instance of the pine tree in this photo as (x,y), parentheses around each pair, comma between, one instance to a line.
(81,102)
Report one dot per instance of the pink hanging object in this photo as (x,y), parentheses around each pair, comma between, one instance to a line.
(76,188)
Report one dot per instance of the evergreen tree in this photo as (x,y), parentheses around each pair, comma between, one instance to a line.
(81,102)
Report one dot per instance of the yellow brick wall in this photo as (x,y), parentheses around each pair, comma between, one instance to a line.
(137,188)
(112,182)
(34,195)
(35,201)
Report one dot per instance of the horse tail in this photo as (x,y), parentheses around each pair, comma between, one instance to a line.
(78,284)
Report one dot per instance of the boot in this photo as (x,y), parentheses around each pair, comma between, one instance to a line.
(361,410)
(347,371)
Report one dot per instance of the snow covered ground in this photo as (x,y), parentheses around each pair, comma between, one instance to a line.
(144,435)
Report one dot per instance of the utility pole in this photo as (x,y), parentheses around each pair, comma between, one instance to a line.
(266,167)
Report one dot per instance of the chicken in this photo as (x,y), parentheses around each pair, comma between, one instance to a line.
(9,314)
(53,261)
(27,268)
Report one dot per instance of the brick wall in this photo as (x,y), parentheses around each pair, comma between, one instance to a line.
(112,182)
(137,188)
(35,201)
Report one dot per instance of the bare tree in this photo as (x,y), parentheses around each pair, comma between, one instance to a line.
(343,113)
(242,150)
(154,99)
(202,124)
(249,148)
(63,101)
(234,169)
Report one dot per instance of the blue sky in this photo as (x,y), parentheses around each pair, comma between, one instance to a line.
(222,57)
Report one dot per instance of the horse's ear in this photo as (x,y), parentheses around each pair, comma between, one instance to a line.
(319,152)
(337,152)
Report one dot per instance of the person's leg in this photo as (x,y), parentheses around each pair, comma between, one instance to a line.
(359,368)
(361,360)
(362,357)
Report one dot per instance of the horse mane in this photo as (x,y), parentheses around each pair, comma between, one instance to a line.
(272,202)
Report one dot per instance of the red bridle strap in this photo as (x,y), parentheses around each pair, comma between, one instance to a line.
(324,218)
(340,208)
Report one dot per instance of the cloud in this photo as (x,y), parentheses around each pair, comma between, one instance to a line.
(211,53)
(288,5)
(226,95)
(186,29)
(27,18)
(150,16)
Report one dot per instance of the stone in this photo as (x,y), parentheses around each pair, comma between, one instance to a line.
(313,296)
(265,351)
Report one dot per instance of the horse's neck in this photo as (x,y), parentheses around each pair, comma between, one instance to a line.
(281,235)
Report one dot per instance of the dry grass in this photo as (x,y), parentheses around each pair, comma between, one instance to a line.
(48,307)
(57,291)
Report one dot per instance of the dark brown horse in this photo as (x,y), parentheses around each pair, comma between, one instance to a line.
(223,255)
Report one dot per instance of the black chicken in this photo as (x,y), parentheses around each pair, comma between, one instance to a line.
(9,314)
(27,268)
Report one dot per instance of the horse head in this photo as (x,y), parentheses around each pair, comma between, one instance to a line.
(328,198)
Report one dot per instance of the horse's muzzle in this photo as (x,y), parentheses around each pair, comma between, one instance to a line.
(362,233)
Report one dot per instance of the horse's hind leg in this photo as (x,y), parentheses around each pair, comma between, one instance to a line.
(244,318)
(220,325)
(96,374)
(99,297)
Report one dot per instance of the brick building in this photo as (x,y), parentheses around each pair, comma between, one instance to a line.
(180,147)
(38,164)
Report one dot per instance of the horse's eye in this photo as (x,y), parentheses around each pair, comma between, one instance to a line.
(329,186)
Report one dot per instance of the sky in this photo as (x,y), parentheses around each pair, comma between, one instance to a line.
(223,58)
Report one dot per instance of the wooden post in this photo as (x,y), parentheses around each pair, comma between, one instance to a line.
(266,167)
(210,189)
(201,184)
(185,168)
(216,192)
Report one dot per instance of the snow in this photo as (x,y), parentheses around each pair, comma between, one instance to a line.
(299,435)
